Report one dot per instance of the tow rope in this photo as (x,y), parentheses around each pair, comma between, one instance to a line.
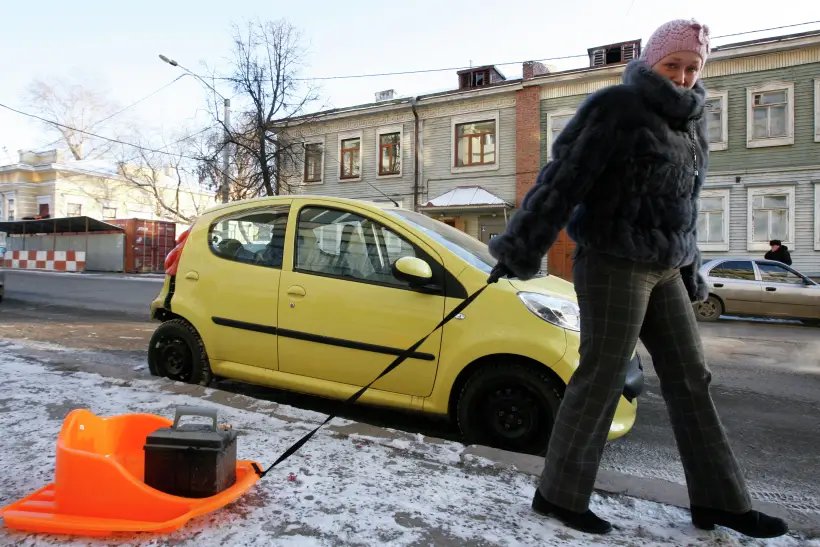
(399,360)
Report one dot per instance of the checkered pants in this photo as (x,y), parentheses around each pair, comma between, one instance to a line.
(620,301)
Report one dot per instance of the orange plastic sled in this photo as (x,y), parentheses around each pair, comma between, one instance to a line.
(99,489)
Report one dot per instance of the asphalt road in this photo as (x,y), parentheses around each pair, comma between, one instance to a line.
(100,292)
(766,382)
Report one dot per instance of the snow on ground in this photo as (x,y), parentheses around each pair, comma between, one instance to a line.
(348,491)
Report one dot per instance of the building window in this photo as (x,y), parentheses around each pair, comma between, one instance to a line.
(817,216)
(770,116)
(556,122)
(350,156)
(390,154)
(713,220)
(73,209)
(817,110)
(314,162)
(717,119)
(10,209)
(475,143)
(771,216)
(109,213)
(255,237)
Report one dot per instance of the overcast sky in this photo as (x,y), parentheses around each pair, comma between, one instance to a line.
(115,44)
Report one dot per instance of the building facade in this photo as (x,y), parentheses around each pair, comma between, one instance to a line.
(45,185)
(468,156)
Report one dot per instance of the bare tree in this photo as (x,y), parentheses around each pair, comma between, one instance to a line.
(72,106)
(168,177)
(264,66)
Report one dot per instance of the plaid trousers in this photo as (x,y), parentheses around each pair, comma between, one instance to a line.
(622,301)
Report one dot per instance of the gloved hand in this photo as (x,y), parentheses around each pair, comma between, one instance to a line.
(498,271)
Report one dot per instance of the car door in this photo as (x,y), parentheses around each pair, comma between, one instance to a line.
(785,293)
(735,282)
(237,284)
(343,316)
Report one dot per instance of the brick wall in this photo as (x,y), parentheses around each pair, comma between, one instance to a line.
(527,140)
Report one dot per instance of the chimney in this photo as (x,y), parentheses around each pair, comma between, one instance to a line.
(386,95)
(534,68)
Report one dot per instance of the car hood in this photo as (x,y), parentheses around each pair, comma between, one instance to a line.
(549,284)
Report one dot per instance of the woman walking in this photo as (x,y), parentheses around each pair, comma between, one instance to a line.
(631,164)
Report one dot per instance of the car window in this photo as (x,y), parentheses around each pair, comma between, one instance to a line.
(252,237)
(734,269)
(343,244)
(772,273)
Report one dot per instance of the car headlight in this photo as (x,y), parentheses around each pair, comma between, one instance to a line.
(558,311)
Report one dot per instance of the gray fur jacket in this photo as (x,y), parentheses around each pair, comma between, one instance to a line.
(625,179)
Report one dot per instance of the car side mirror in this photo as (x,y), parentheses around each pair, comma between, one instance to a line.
(413,270)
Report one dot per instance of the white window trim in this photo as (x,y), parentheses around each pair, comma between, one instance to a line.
(817,216)
(384,131)
(4,201)
(550,116)
(724,193)
(817,110)
(317,140)
(751,142)
(751,193)
(469,118)
(342,137)
(723,144)
(45,200)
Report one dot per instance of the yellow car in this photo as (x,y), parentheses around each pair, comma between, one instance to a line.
(318,295)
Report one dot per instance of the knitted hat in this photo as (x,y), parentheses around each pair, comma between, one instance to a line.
(674,36)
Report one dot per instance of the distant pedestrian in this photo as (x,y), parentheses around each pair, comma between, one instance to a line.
(779,252)
(626,176)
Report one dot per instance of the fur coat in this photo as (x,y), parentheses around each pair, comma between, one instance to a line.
(624,179)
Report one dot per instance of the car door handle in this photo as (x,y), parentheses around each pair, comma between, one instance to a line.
(297,291)
(193,276)
(718,285)
(771,289)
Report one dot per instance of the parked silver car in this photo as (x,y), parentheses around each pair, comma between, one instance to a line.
(754,287)
(2,281)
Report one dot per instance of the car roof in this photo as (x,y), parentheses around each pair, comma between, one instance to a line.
(273,200)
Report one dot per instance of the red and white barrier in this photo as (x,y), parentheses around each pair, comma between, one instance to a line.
(52,261)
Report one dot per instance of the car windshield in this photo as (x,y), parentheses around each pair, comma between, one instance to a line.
(466,247)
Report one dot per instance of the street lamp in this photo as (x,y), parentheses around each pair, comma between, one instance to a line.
(226,124)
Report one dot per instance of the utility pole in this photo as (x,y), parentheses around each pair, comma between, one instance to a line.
(226,123)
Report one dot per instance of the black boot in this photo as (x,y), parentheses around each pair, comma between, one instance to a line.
(751,523)
(587,521)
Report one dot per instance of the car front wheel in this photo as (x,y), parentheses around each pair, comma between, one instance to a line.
(509,406)
(177,352)
(709,311)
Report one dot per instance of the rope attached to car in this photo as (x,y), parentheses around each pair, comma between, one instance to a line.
(399,360)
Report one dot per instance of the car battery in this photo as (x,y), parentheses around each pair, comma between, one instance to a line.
(191,460)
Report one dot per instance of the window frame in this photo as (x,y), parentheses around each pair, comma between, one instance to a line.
(720,264)
(388,130)
(550,117)
(320,141)
(4,204)
(105,208)
(724,193)
(70,203)
(344,137)
(235,215)
(483,116)
(760,264)
(751,141)
(816,215)
(817,110)
(437,284)
(754,191)
(723,144)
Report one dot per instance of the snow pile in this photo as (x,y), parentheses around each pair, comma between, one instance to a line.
(353,490)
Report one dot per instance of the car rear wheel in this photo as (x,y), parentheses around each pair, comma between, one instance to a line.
(177,352)
(709,311)
(509,406)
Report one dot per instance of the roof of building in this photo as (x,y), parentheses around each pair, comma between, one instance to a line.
(64,225)
(467,196)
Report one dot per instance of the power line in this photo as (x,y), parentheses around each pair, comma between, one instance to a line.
(429,70)
(169,84)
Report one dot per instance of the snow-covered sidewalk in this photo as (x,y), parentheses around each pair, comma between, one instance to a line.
(347,490)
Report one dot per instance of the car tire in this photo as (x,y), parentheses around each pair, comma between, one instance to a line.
(510,406)
(177,352)
(710,310)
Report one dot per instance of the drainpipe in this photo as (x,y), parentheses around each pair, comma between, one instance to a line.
(415,154)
